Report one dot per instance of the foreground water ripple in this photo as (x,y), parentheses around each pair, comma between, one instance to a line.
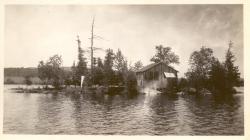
(120,115)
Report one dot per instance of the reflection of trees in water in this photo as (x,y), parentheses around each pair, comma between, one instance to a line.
(78,114)
(99,111)
(162,103)
(163,115)
(211,115)
(115,110)
(114,114)
(230,112)
(200,110)
(169,115)
(95,114)
(193,115)
(48,113)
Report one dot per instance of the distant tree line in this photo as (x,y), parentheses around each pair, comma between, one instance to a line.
(20,72)
(20,76)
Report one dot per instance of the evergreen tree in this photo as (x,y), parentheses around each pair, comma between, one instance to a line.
(120,65)
(99,62)
(108,67)
(98,73)
(232,71)
(81,68)
(217,78)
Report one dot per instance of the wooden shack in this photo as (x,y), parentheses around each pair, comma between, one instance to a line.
(156,76)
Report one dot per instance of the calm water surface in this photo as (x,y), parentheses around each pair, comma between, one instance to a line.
(145,114)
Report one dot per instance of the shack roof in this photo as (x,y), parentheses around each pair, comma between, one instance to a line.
(153,65)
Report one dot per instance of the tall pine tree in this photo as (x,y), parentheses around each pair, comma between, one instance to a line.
(232,71)
(108,67)
(81,68)
(82,64)
(98,73)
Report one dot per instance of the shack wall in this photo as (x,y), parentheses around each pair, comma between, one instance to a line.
(154,77)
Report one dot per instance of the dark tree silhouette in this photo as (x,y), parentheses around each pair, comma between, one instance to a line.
(217,78)
(164,54)
(232,71)
(138,65)
(131,82)
(120,63)
(108,67)
(98,73)
(81,68)
(201,63)
(27,80)
(44,73)
(51,71)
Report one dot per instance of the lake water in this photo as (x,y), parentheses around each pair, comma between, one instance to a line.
(145,114)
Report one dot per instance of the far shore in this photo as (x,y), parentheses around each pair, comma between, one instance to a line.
(40,89)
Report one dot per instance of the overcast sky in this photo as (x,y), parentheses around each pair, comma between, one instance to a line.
(34,33)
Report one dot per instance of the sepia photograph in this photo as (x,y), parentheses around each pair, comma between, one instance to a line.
(110,69)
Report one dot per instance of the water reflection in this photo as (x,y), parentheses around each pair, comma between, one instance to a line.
(144,114)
